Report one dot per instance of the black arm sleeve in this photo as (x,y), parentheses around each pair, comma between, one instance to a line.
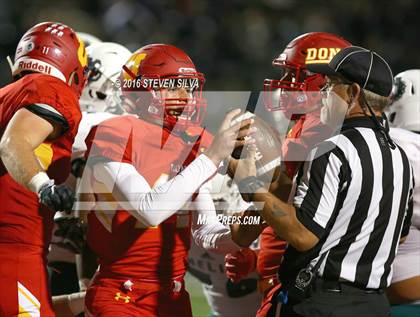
(51,116)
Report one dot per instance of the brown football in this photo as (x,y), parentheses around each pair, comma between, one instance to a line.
(267,140)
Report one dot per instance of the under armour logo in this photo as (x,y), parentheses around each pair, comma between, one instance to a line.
(118,296)
(177,287)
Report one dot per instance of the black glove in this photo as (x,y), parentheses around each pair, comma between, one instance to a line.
(56,197)
(77,166)
(70,234)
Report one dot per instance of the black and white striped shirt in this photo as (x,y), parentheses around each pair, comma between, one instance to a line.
(353,193)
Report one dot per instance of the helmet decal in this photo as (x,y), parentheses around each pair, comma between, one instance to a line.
(132,66)
(320,55)
(399,89)
(81,53)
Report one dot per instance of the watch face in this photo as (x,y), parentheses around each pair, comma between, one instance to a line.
(303,279)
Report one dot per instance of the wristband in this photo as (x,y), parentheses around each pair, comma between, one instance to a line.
(76,302)
(38,181)
(84,284)
(253,209)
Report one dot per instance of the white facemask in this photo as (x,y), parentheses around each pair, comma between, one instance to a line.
(334,110)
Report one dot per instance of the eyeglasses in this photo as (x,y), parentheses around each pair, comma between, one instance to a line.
(329,85)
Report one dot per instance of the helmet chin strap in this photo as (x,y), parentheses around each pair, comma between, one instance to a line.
(70,81)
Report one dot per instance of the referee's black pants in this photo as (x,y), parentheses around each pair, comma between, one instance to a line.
(339,300)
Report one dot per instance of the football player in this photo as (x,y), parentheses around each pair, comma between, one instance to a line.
(143,170)
(99,101)
(404,117)
(88,38)
(224,296)
(299,104)
(39,117)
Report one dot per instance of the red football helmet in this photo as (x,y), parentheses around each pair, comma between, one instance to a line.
(53,49)
(150,73)
(296,80)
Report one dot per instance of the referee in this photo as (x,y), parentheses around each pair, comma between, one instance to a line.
(353,201)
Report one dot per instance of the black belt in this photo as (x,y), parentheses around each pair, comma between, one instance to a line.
(344,287)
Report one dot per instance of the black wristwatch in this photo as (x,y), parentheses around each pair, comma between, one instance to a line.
(248,186)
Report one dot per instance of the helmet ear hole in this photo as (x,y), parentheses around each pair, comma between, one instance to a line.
(100,95)
(412,90)
(392,116)
(76,79)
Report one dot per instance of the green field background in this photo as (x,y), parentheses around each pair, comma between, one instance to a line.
(198,301)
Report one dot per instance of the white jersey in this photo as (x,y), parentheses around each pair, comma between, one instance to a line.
(410,143)
(224,297)
(407,262)
(89,120)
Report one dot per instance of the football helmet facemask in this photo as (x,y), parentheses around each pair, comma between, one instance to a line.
(160,83)
(296,82)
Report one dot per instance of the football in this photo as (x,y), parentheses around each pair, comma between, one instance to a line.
(268,142)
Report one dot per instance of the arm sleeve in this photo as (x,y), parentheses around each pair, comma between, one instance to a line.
(210,234)
(50,98)
(153,205)
(318,190)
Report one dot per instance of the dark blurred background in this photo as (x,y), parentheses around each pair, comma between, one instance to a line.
(232,42)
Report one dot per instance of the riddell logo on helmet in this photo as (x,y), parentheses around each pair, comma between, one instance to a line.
(317,55)
(35,66)
(186,70)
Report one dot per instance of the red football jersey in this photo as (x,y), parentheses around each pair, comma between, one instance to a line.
(270,254)
(305,134)
(302,137)
(23,220)
(124,245)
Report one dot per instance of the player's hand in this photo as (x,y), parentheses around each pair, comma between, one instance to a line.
(69,234)
(56,197)
(230,137)
(239,264)
(244,167)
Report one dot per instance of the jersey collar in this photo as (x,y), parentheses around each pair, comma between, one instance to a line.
(360,122)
